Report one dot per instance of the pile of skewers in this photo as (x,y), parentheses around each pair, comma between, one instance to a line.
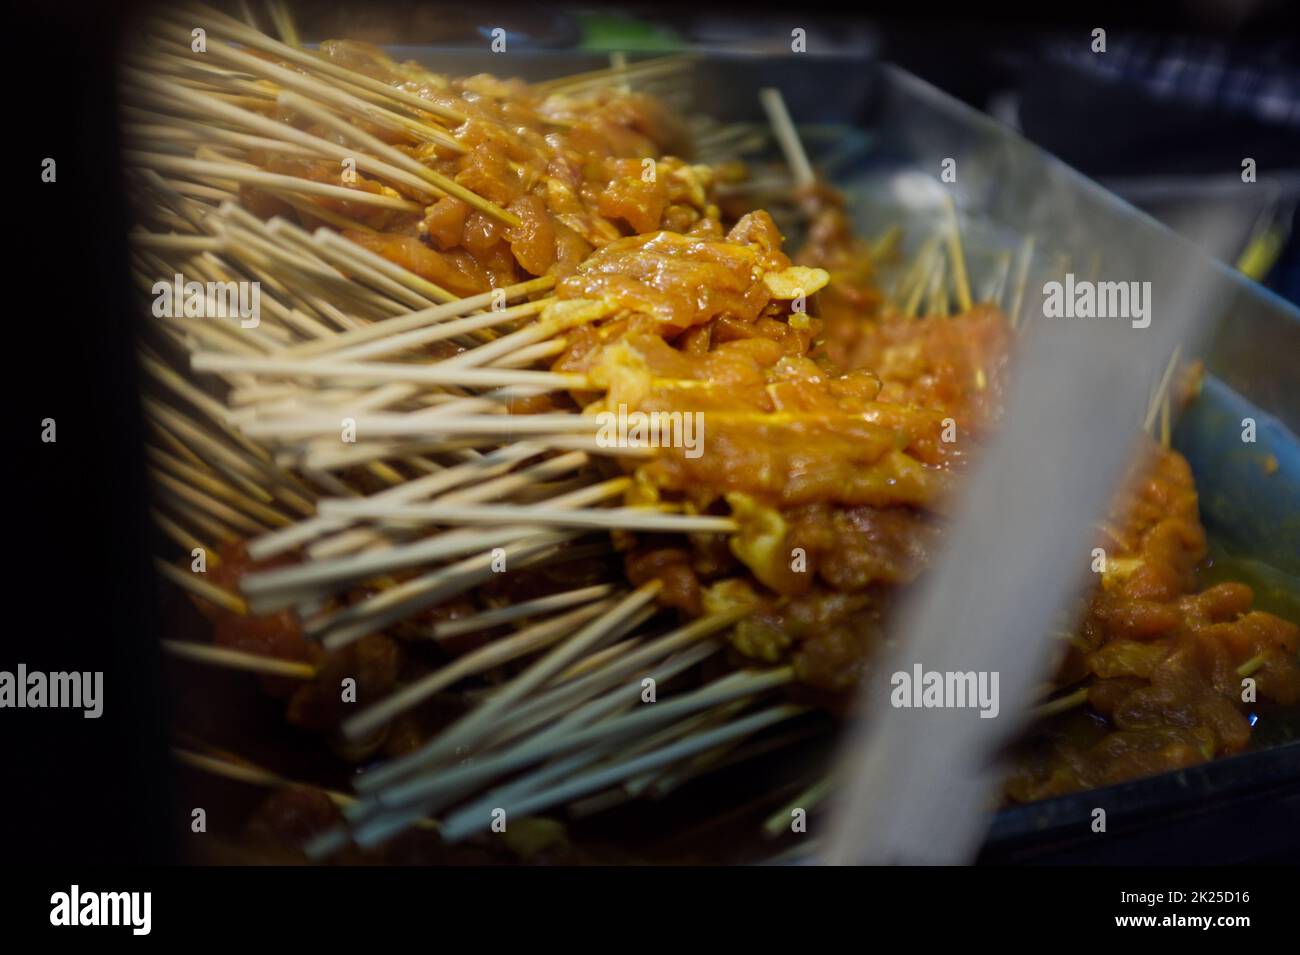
(251,450)
(375,453)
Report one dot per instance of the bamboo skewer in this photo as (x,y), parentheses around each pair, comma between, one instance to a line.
(283,23)
(519,611)
(253,38)
(686,643)
(380,372)
(1161,392)
(937,297)
(426,793)
(495,483)
(214,491)
(1026,258)
(606,655)
(193,496)
(432,484)
(338,94)
(783,127)
(629,72)
(560,740)
(1079,697)
(1061,704)
(477,724)
(562,767)
(362,265)
(242,466)
(196,585)
(722,713)
(256,776)
(958,258)
(273,135)
(238,660)
(257,177)
(378,828)
(419,319)
(927,261)
(271,589)
(192,516)
(618,699)
(307,267)
(182,537)
(625,518)
(526,641)
(997,283)
(444,330)
(393,158)
(340,628)
(460,825)
(779,822)
(729,754)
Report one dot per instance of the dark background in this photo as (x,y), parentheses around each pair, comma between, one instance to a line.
(81,587)
(81,592)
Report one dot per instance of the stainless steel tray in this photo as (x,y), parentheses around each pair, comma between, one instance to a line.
(881,134)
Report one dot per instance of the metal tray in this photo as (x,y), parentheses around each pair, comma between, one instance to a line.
(1007,189)
(880,134)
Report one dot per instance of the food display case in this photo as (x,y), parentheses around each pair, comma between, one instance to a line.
(910,163)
